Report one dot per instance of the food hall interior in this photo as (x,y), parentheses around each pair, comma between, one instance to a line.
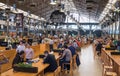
(60,37)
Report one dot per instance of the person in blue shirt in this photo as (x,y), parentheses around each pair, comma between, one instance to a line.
(72,49)
(60,45)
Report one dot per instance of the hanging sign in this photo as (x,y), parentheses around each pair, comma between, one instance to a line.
(58,17)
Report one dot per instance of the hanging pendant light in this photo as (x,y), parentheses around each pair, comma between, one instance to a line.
(53,2)
(21,1)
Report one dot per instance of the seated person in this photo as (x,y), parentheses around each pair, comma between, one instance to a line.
(29,53)
(20,47)
(50,59)
(19,58)
(66,56)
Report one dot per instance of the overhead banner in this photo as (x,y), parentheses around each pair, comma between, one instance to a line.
(58,17)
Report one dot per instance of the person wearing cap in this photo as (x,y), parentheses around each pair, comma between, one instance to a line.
(50,59)
(19,58)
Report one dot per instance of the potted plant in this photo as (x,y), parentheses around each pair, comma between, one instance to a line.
(22,67)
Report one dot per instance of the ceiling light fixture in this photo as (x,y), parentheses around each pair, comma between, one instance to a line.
(21,1)
(53,2)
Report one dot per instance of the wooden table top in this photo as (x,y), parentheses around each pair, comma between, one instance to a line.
(39,64)
(115,58)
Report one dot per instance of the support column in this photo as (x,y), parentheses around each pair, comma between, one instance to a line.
(115,32)
(119,26)
(7,24)
(28,26)
(112,30)
(109,29)
(90,30)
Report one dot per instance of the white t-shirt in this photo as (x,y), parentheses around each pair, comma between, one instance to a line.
(20,48)
(51,42)
(29,53)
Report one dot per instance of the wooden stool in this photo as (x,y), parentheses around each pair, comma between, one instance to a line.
(107,72)
(71,68)
(110,74)
(57,72)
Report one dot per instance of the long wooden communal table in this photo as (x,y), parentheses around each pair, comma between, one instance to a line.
(109,59)
(39,64)
(10,54)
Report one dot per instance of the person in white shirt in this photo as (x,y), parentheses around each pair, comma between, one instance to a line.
(20,47)
(51,44)
(29,53)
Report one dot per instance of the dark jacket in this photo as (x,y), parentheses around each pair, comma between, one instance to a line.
(50,59)
(59,45)
(99,47)
(17,60)
(72,49)
(118,43)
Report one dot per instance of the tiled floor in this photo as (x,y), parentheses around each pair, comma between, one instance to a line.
(89,66)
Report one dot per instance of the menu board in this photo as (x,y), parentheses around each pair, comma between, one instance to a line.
(19,20)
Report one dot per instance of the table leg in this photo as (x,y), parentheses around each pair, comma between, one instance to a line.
(0,70)
(41,74)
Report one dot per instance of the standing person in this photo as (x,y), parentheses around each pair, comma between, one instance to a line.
(72,49)
(20,47)
(98,48)
(51,44)
(29,53)
(75,45)
(50,59)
